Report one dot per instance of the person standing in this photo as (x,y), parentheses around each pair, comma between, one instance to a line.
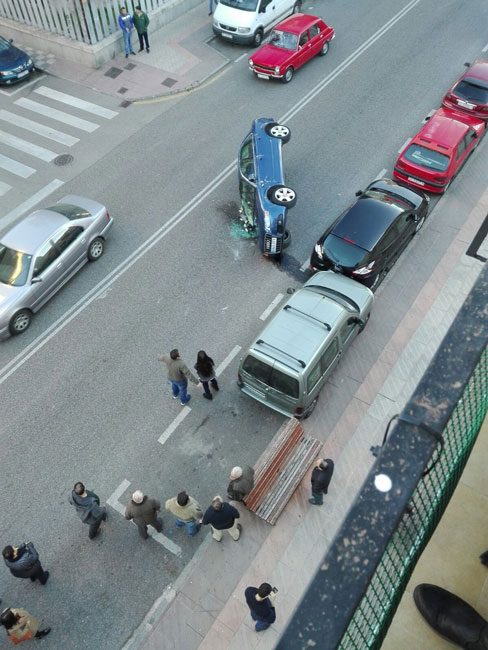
(142,510)
(23,562)
(206,373)
(321,477)
(88,508)
(210,6)
(187,512)
(20,625)
(222,516)
(178,374)
(126,25)
(241,483)
(141,21)
(261,605)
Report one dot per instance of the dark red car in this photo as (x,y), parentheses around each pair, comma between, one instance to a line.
(291,44)
(439,150)
(470,92)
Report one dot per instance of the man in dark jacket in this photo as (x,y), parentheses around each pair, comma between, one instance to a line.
(142,510)
(141,21)
(88,508)
(23,562)
(178,374)
(241,483)
(260,603)
(321,476)
(222,516)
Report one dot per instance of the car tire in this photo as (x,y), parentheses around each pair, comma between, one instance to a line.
(19,322)
(324,49)
(297,7)
(419,225)
(279,131)
(288,76)
(282,195)
(96,248)
(286,239)
(257,38)
(378,280)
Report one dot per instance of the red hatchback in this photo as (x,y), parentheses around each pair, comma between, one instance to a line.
(439,150)
(470,92)
(291,44)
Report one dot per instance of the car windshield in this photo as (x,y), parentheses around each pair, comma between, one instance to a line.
(392,199)
(342,252)
(469,90)
(283,39)
(270,376)
(14,266)
(4,45)
(428,158)
(70,211)
(245,5)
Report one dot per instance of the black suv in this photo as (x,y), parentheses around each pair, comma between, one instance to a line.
(366,240)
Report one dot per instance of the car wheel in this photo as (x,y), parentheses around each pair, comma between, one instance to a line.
(419,225)
(324,49)
(20,322)
(378,280)
(280,131)
(288,76)
(297,7)
(282,195)
(258,38)
(286,239)
(95,251)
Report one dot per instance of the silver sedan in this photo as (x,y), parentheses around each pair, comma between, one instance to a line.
(42,252)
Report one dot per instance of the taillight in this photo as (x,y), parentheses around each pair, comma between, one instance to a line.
(400,163)
(364,270)
(298,411)
(239,379)
(108,214)
(441,179)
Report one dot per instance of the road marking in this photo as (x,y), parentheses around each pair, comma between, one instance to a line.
(22,86)
(64,320)
(30,202)
(60,116)
(4,188)
(381,174)
(27,147)
(305,265)
(174,425)
(428,116)
(14,167)
(39,129)
(113,501)
(70,100)
(270,308)
(241,57)
(485,48)
(220,369)
(404,145)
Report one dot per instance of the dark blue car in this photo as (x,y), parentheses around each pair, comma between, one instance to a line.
(264,196)
(15,65)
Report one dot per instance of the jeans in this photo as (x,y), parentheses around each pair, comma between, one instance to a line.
(191,526)
(179,388)
(93,530)
(127,41)
(210,5)
(205,384)
(261,624)
(143,37)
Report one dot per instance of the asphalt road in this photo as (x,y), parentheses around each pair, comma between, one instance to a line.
(82,395)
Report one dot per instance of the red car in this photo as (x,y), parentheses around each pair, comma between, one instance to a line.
(291,44)
(439,150)
(470,92)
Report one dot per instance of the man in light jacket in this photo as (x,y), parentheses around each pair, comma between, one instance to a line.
(23,562)
(126,25)
(88,508)
(241,483)
(142,510)
(178,374)
(186,511)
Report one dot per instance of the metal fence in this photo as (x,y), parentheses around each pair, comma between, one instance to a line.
(354,595)
(88,21)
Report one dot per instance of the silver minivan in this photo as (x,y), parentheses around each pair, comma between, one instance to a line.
(289,362)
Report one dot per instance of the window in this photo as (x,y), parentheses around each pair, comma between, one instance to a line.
(66,237)
(70,211)
(461,148)
(348,328)
(303,39)
(247,192)
(46,256)
(314,376)
(283,383)
(404,223)
(427,158)
(14,266)
(257,369)
(246,159)
(283,39)
(388,238)
(329,356)
(314,31)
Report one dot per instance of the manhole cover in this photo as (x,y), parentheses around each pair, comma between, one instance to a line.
(113,72)
(63,159)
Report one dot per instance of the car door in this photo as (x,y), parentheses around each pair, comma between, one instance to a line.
(465,147)
(317,39)
(267,11)
(322,369)
(304,48)
(405,225)
(386,249)
(72,246)
(47,275)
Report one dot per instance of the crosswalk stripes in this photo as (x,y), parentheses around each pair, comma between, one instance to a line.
(55,114)
(27,147)
(40,129)
(75,101)
(15,167)
(4,188)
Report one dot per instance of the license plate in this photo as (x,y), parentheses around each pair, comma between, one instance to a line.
(465,104)
(262,76)
(414,180)
(22,74)
(227,35)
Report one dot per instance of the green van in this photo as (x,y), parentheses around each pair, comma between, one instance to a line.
(289,362)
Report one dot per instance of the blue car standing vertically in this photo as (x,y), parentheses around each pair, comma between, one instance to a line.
(15,65)
(265,198)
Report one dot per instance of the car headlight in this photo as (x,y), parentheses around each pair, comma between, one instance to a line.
(277,69)
(267,221)
(30,62)
(243,30)
(5,73)
(319,250)
(251,62)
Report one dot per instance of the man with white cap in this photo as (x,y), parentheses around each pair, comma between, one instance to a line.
(142,510)
(241,483)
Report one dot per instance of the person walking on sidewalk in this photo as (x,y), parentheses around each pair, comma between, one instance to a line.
(142,510)
(206,373)
(321,477)
(187,512)
(23,562)
(178,374)
(126,25)
(261,605)
(222,516)
(210,6)
(241,483)
(20,625)
(141,21)
(88,508)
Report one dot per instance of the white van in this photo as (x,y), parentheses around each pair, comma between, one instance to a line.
(246,21)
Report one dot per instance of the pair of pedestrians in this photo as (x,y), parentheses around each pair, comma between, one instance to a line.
(179,374)
(139,20)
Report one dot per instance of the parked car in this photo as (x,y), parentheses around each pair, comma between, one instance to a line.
(15,65)
(265,198)
(246,21)
(42,252)
(366,240)
(470,92)
(291,44)
(291,359)
(439,150)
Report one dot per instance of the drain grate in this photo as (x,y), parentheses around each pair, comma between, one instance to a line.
(169,82)
(122,90)
(63,159)
(130,66)
(113,73)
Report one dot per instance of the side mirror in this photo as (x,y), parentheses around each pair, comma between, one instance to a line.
(36,280)
(359,192)
(262,9)
(10,40)
(467,64)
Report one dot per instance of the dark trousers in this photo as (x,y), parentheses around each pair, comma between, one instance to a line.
(40,575)
(319,497)
(206,389)
(142,528)
(143,37)
(93,530)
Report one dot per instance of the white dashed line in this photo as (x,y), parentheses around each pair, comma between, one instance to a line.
(404,145)
(429,115)
(227,360)
(269,309)
(30,202)
(381,174)
(485,48)
(174,425)
(305,265)
(241,57)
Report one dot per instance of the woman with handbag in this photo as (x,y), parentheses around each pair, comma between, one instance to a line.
(21,626)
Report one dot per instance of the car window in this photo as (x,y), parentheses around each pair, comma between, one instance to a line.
(314,31)
(4,45)
(257,369)
(243,5)
(329,355)
(428,158)
(248,197)
(342,252)
(404,223)
(388,238)
(314,376)
(264,3)
(461,148)
(303,38)
(70,211)
(246,159)
(348,328)
(283,383)
(470,91)
(283,39)
(66,237)
(14,266)
(46,256)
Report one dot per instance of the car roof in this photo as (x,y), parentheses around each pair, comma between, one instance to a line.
(33,231)
(297,23)
(366,221)
(444,130)
(477,70)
